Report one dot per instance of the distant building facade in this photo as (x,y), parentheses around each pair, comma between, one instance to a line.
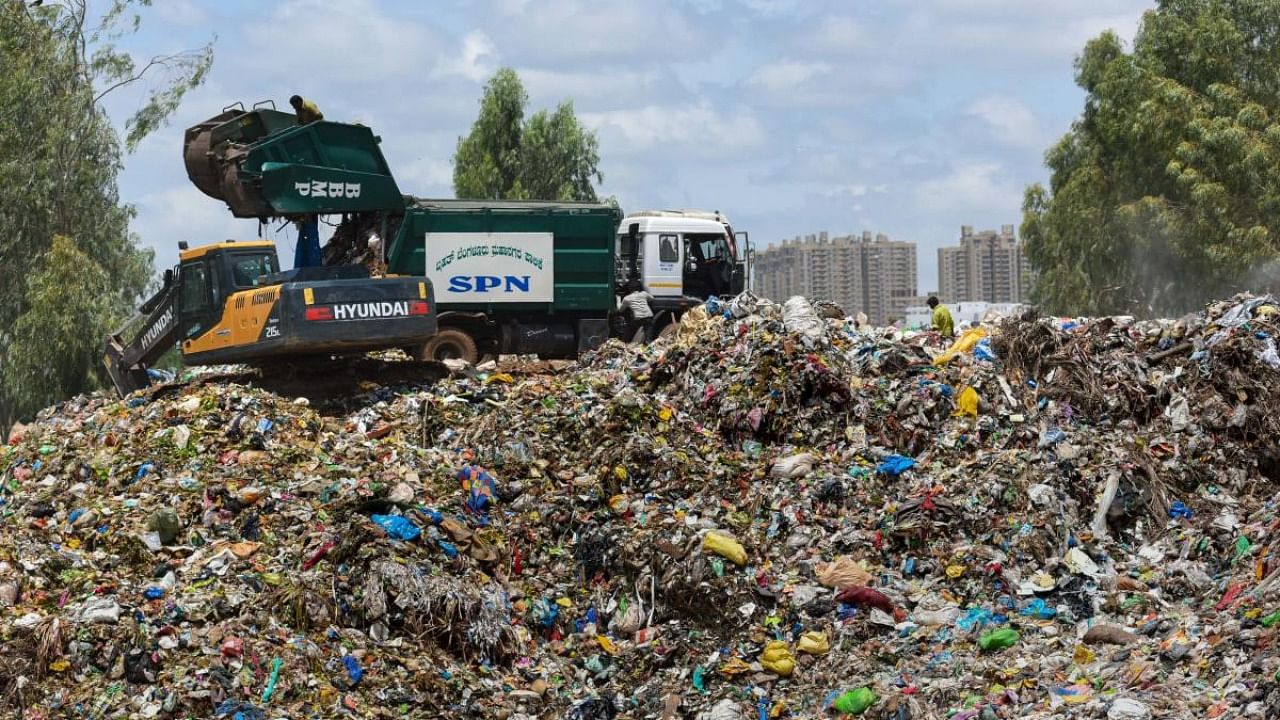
(861,273)
(987,266)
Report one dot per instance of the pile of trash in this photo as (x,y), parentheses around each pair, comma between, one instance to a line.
(772,513)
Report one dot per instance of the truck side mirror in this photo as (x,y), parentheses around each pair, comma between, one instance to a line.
(168,277)
(633,231)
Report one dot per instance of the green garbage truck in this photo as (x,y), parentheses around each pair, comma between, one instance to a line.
(539,278)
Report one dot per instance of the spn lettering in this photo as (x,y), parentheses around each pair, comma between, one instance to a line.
(486,283)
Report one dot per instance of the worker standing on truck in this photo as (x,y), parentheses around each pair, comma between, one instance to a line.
(306,110)
(637,304)
(942,321)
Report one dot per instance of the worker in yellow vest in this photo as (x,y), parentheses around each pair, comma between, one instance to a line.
(307,111)
(942,321)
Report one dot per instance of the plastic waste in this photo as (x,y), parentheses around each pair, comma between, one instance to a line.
(856,702)
(798,316)
(998,639)
(967,403)
(866,596)
(397,526)
(895,465)
(1127,709)
(793,466)
(725,546)
(726,709)
(354,672)
(963,345)
(1039,610)
(814,643)
(777,658)
(842,572)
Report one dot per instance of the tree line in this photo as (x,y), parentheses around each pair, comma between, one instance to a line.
(69,267)
(1165,192)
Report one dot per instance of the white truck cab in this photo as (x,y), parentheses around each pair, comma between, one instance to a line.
(682,253)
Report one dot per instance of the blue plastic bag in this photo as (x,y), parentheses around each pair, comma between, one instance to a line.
(1040,610)
(1179,510)
(895,465)
(397,526)
(355,673)
(983,351)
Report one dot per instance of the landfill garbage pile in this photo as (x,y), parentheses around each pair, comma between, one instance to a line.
(769,514)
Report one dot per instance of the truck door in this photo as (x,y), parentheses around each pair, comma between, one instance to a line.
(663,264)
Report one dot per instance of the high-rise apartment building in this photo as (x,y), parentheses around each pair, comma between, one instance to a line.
(874,275)
(986,267)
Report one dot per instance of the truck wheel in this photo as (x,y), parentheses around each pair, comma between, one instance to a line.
(450,344)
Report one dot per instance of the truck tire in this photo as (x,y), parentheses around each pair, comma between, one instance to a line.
(450,344)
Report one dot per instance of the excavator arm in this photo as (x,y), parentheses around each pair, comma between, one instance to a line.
(127,361)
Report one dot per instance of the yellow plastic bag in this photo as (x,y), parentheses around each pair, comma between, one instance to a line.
(725,546)
(814,643)
(777,658)
(963,345)
(967,403)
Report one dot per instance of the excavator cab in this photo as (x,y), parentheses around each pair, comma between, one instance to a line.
(210,273)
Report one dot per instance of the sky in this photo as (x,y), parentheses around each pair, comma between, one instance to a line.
(904,117)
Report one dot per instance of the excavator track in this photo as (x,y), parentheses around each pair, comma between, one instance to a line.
(320,379)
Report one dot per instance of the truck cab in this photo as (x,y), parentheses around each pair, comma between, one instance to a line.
(682,254)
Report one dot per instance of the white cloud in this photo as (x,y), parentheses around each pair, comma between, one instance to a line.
(855,190)
(590,88)
(700,128)
(1009,119)
(475,61)
(573,31)
(185,13)
(355,42)
(426,176)
(976,188)
(840,35)
(787,74)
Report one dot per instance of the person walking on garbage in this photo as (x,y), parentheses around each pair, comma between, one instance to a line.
(942,321)
(637,304)
(307,111)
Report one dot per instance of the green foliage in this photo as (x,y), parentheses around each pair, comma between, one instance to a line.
(1166,191)
(549,157)
(64,297)
(59,160)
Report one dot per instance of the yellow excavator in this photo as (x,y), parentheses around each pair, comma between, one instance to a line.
(230,302)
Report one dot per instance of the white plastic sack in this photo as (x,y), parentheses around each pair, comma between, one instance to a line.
(726,709)
(743,305)
(1179,413)
(793,466)
(798,316)
(1126,709)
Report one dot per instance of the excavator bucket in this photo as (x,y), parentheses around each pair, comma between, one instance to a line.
(262,163)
